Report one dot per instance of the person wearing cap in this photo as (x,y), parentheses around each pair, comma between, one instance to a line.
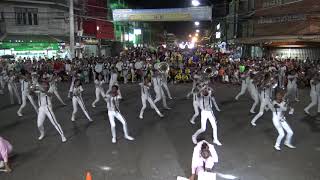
(5,150)
(204,158)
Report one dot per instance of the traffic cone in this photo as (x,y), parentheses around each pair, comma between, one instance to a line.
(88,176)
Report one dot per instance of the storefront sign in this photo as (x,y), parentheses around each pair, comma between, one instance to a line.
(36,46)
(203,13)
(91,41)
(282,19)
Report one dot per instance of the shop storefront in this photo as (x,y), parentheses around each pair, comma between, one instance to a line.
(29,48)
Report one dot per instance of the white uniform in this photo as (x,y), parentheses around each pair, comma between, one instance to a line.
(314,94)
(292,90)
(125,69)
(265,100)
(77,100)
(165,84)
(45,110)
(114,112)
(114,81)
(195,107)
(205,104)
(53,86)
(157,86)
(145,96)
(244,85)
(26,95)
(99,91)
(280,123)
(253,90)
(13,90)
(72,85)
(198,162)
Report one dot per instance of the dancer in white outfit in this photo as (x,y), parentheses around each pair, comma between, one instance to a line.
(145,96)
(205,104)
(99,82)
(54,87)
(314,94)
(195,103)
(45,110)
(196,77)
(77,100)
(112,100)
(280,123)
(25,84)
(114,81)
(265,100)
(164,80)
(292,90)
(157,86)
(12,87)
(244,84)
(253,90)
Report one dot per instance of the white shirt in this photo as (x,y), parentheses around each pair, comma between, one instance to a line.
(99,84)
(198,161)
(205,102)
(44,100)
(113,102)
(77,91)
(279,111)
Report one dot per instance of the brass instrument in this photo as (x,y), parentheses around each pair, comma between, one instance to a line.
(210,72)
(163,67)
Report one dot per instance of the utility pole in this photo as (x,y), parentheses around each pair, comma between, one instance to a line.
(71,21)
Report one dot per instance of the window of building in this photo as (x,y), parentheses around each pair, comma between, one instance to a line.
(26,16)
(270,3)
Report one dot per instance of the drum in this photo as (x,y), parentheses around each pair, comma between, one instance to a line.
(119,66)
(98,68)
(138,65)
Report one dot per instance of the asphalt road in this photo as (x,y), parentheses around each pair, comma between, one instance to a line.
(163,147)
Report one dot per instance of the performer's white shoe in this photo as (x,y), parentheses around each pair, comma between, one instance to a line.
(307,112)
(277,148)
(19,114)
(129,138)
(41,137)
(290,145)
(217,142)
(141,117)
(63,139)
(192,122)
(253,124)
(114,140)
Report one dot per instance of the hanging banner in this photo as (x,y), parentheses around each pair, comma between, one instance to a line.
(203,13)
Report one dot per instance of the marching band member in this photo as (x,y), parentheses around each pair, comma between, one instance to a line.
(292,89)
(112,100)
(164,80)
(196,77)
(244,84)
(99,82)
(45,110)
(74,75)
(314,94)
(195,103)
(25,84)
(203,158)
(77,100)
(106,71)
(280,123)
(205,104)
(125,70)
(265,100)
(157,87)
(253,90)
(12,87)
(54,87)
(146,96)
(114,81)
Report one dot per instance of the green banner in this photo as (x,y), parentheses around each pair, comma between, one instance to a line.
(35,46)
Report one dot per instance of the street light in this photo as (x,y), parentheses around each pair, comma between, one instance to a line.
(195,3)
(197,31)
(197,23)
(197,34)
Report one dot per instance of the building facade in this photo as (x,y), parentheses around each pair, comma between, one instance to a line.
(34,28)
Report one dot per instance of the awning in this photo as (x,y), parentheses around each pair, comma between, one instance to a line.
(28,38)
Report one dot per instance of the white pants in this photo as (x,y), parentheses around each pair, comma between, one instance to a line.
(99,91)
(165,85)
(115,114)
(13,91)
(71,89)
(45,111)
(125,76)
(56,93)
(315,99)
(144,100)
(196,111)
(160,95)
(244,87)
(281,125)
(207,115)
(106,76)
(264,102)
(255,96)
(26,96)
(75,101)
